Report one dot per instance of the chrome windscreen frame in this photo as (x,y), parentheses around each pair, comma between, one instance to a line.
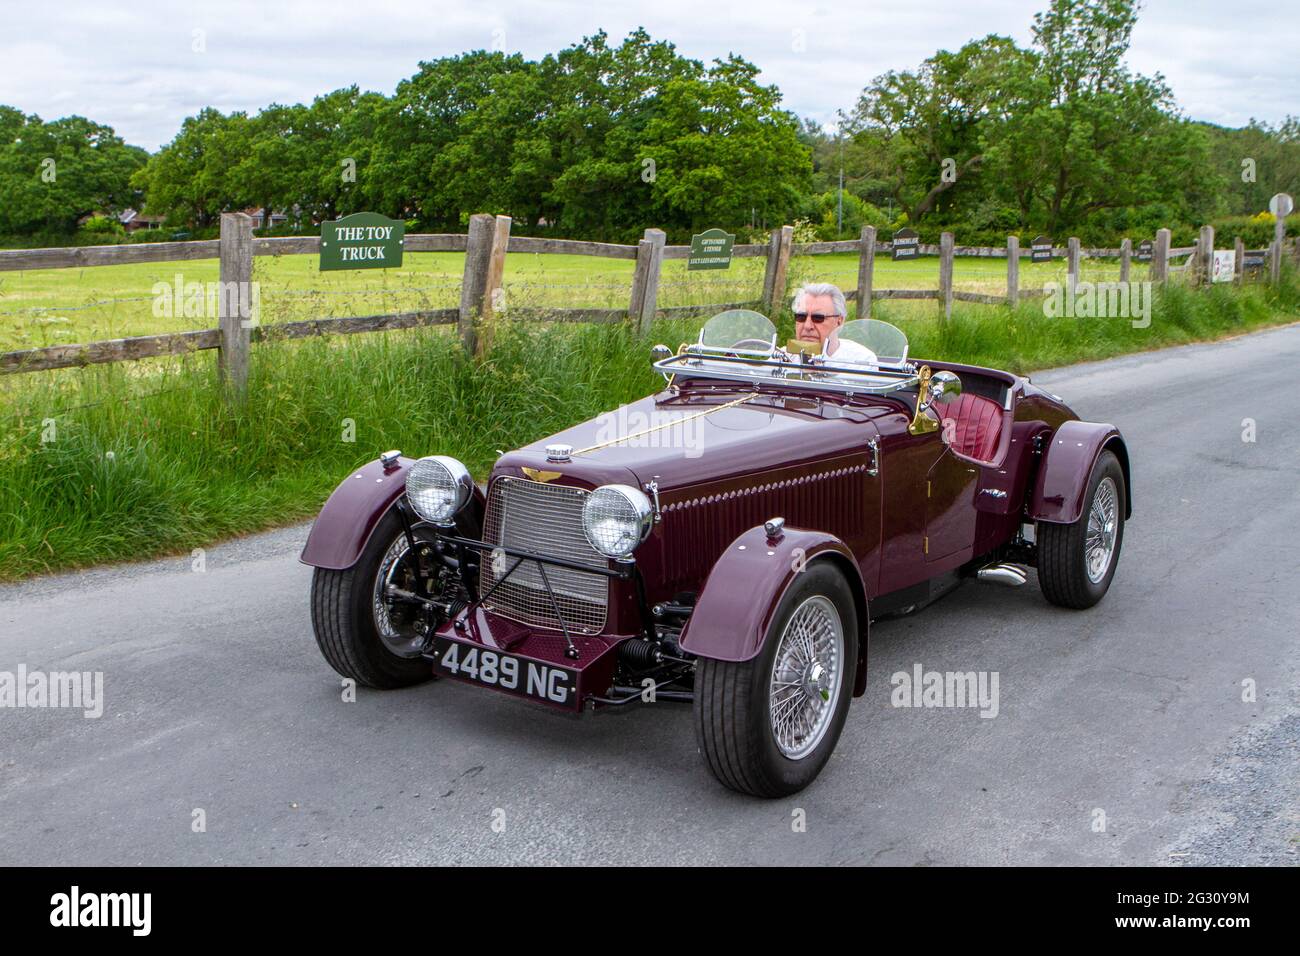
(782,369)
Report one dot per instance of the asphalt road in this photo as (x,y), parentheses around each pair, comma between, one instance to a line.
(217,700)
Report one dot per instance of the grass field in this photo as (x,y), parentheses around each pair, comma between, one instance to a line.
(46,307)
(145,458)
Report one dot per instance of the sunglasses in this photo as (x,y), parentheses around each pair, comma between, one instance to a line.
(817,318)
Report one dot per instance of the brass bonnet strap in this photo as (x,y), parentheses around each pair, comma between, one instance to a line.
(663,425)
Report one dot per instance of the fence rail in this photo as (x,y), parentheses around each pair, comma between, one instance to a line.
(486,245)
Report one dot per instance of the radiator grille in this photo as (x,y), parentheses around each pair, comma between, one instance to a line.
(545,519)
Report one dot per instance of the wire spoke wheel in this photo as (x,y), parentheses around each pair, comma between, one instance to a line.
(362,631)
(1099,541)
(768,725)
(1077,561)
(806,676)
(394,623)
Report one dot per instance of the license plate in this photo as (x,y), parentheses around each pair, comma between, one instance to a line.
(493,668)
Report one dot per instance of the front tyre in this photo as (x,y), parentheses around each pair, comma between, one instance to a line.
(767,726)
(359,633)
(1076,562)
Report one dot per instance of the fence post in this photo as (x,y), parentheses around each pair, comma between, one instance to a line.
(645,280)
(1205,255)
(866,266)
(1125,258)
(769,272)
(493,295)
(1072,263)
(1239,260)
(778,267)
(234,300)
(1013,271)
(945,274)
(1160,257)
(478,254)
(645,252)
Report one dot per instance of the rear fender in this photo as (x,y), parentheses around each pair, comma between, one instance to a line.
(745,586)
(345,524)
(1068,459)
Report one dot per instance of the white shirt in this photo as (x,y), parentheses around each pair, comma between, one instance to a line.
(849,351)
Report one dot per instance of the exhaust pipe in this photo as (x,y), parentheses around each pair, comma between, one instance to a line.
(1012,575)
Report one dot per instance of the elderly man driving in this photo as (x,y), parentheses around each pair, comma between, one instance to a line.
(819,311)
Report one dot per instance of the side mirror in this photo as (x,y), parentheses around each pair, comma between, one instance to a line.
(943,387)
(933,387)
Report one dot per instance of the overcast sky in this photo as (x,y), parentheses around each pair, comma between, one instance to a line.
(133,65)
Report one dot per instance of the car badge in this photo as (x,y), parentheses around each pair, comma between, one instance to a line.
(539,475)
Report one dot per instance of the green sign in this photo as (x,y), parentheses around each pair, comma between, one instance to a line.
(710,250)
(363,240)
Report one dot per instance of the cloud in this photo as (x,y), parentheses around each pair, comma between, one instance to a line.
(135,65)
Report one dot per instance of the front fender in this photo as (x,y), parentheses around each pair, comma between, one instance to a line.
(351,513)
(741,594)
(345,524)
(1067,464)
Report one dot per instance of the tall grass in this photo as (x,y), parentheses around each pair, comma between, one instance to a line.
(140,459)
(1024,339)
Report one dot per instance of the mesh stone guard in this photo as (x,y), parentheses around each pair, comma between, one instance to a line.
(521,555)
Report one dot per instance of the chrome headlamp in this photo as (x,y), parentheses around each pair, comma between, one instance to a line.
(616,519)
(438,487)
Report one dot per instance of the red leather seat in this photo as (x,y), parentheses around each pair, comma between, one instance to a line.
(977,425)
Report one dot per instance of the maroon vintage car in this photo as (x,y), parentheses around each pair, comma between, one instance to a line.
(726,542)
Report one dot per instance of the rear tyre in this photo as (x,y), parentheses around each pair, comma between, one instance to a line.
(1076,562)
(358,634)
(767,726)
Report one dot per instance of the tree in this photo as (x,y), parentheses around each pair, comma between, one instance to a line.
(723,146)
(590,148)
(933,122)
(270,172)
(195,177)
(440,160)
(52,174)
(1059,136)
(1255,162)
(1096,137)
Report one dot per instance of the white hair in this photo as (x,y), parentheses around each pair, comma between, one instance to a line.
(822,288)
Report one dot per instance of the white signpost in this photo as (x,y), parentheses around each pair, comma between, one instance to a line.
(1225,265)
(1280,206)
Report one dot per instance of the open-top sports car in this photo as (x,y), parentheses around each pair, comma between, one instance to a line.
(726,542)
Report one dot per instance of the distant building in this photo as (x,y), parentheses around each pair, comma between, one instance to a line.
(278,218)
(133,221)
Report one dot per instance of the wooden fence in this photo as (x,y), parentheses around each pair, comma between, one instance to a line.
(486,244)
